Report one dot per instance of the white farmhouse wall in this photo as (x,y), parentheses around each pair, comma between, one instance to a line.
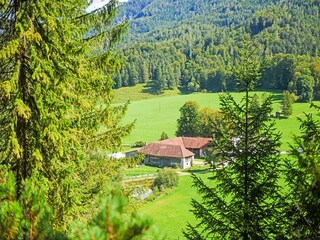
(186,162)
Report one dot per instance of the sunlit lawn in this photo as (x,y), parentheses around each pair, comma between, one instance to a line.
(290,126)
(155,115)
(139,92)
(141,170)
(171,212)
(160,113)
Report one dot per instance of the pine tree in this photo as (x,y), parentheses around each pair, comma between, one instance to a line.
(240,201)
(170,78)
(118,81)
(159,81)
(56,63)
(114,221)
(303,178)
(145,73)
(125,77)
(133,74)
(29,217)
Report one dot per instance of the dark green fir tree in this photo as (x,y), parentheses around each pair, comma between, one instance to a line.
(240,200)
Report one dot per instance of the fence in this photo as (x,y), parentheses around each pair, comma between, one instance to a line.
(140,177)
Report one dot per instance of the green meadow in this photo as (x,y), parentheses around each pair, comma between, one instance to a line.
(171,212)
(141,170)
(155,114)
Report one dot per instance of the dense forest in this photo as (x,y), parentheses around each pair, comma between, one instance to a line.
(194,45)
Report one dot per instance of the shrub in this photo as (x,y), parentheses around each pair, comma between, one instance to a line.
(167,178)
(139,144)
(175,166)
(132,162)
(164,136)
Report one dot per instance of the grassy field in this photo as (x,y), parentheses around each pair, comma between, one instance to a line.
(141,170)
(171,212)
(156,114)
(290,126)
(139,92)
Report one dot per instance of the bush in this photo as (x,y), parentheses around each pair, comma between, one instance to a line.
(175,166)
(139,144)
(164,136)
(132,162)
(167,178)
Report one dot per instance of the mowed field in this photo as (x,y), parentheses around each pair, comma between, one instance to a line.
(155,114)
(171,212)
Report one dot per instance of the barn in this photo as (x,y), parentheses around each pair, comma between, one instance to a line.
(175,151)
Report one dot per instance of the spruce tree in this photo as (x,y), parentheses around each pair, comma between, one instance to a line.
(56,64)
(133,74)
(303,178)
(115,221)
(240,200)
(159,81)
(29,217)
(145,73)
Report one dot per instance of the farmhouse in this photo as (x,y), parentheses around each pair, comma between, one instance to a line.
(180,151)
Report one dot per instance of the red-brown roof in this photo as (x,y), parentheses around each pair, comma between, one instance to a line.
(175,147)
(188,142)
(173,141)
(195,143)
(159,149)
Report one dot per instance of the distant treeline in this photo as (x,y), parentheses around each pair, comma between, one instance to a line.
(200,55)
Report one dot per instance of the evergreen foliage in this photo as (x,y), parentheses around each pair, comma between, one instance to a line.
(56,64)
(114,221)
(28,217)
(244,202)
(194,45)
(303,177)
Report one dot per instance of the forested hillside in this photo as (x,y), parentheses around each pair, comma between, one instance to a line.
(194,44)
